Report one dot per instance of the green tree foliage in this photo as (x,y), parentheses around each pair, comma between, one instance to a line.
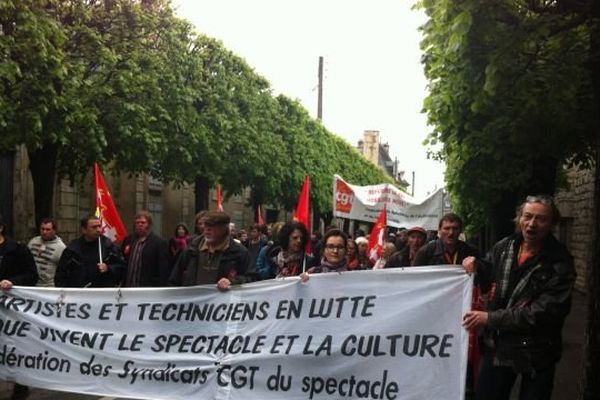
(99,81)
(237,111)
(510,99)
(515,95)
(126,82)
(311,149)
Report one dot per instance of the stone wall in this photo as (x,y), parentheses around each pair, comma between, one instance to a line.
(577,225)
(169,205)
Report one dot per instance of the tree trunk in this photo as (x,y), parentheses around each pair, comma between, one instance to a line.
(591,379)
(201,193)
(502,216)
(543,179)
(42,164)
(7,170)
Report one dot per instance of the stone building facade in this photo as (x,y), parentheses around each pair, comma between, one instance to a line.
(379,154)
(168,205)
(576,228)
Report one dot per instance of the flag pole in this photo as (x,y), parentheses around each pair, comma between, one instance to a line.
(304,263)
(100,249)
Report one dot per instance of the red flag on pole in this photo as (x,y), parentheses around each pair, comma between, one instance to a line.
(302,213)
(259,217)
(219,199)
(377,236)
(112,225)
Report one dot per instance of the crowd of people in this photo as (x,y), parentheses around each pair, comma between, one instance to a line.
(526,279)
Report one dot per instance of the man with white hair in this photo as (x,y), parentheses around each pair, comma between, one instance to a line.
(534,276)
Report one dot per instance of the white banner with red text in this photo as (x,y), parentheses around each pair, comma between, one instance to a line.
(385,334)
(364,203)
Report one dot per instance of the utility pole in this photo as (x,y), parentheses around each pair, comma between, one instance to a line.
(320,89)
(413,185)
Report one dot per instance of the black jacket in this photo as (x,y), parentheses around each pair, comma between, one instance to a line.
(399,259)
(526,318)
(155,260)
(432,253)
(74,271)
(233,264)
(18,265)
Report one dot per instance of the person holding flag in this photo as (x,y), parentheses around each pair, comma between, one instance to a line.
(92,260)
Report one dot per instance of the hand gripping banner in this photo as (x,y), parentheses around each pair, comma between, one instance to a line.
(385,334)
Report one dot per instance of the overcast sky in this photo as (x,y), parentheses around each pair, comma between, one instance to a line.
(373,76)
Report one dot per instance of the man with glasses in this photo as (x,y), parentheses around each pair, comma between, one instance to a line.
(334,254)
(534,276)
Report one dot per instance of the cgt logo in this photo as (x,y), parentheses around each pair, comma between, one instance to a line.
(344,196)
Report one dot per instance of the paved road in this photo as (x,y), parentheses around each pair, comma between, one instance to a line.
(566,382)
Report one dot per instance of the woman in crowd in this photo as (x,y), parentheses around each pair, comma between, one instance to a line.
(351,255)
(363,258)
(288,257)
(180,238)
(406,257)
(334,254)
(388,249)
(263,269)
(243,237)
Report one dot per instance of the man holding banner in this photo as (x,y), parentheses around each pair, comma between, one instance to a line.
(449,249)
(92,260)
(213,257)
(534,276)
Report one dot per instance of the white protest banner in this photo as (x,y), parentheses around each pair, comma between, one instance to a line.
(385,334)
(364,203)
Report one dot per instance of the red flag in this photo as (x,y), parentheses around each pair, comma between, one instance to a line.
(219,199)
(302,213)
(112,225)
(377,236)
(259,217)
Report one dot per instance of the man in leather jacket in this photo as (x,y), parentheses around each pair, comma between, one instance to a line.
(92,260)
(534,277)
